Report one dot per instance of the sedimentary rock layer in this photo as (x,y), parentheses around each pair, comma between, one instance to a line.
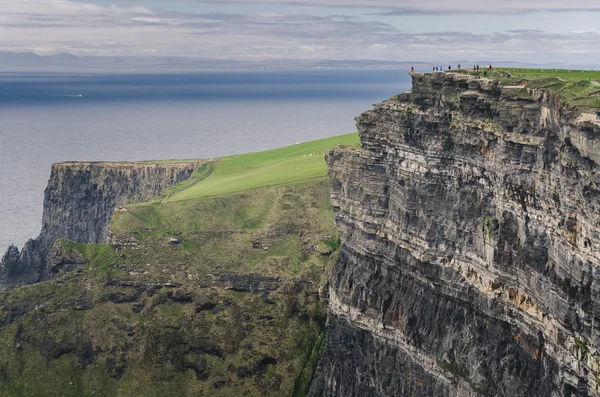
(79,203)
(470,229)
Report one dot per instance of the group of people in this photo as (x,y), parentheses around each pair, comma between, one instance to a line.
(441,69)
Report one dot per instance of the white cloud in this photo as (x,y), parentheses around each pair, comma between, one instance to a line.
(442,6)
(49,26)
(65,8)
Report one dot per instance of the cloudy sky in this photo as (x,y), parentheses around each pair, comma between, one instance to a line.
(393,30)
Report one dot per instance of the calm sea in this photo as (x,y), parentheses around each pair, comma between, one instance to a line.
(53,117)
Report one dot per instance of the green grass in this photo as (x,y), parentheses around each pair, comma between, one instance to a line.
(565,74)
(300,162)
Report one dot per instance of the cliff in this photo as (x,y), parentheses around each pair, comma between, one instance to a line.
(210,290)
(79,203)
(469,263)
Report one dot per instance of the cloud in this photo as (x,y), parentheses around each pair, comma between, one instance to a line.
(441,7)
(65,8)
(51,26)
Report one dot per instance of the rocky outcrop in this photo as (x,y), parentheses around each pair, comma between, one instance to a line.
(79,203)
(469,264)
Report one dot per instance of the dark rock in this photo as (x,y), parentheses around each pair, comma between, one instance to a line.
(180,296)
(121,297)
(205,306)
(257,369)
(219,384)
(56,263)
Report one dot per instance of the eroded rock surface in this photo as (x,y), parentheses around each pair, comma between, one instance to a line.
(470,230)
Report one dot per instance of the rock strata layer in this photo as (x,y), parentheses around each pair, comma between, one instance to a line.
(470,230)
(79,203)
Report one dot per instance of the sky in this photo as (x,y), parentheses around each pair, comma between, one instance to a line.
(534,31)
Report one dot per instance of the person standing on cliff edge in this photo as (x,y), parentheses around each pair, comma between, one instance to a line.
(412,69)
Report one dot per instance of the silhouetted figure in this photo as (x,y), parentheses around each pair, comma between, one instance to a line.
(474,68)
(459,66)
(412,69)
(478,68)
(449,68)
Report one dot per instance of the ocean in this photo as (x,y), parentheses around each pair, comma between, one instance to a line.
(49,117)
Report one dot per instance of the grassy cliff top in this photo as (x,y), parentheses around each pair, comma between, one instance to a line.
(579,89)
(296,163)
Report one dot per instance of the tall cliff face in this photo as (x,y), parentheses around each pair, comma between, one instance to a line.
(470,230)
(79,203)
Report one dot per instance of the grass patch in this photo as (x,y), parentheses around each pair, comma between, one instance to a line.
(451,367)
(101,257)
(295,163)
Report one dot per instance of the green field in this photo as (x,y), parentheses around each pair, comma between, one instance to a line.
(300,162)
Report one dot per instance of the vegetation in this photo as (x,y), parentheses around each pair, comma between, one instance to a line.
(564,74)
(578,89)
(209,290)
(295,163)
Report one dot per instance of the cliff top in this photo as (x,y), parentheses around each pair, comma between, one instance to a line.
(182,162)
(579,89)
(299,162)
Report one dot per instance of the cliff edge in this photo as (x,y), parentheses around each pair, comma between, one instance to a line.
(79,203)
(469,263)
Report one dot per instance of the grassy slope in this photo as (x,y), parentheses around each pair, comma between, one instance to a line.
(107,330)
(274,167)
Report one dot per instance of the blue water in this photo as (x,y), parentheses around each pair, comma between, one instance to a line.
(52,117)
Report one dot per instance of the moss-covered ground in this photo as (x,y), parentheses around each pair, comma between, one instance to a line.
(211,290)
